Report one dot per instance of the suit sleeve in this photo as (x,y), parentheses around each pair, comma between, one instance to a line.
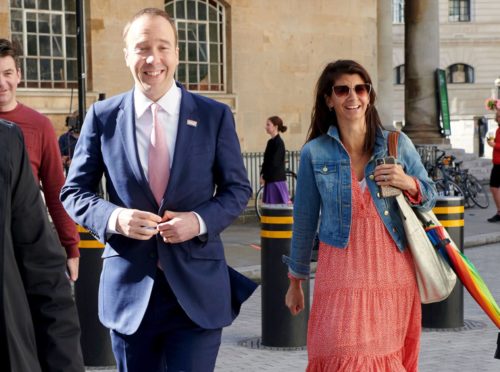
(42,266)
(233,188)
(79,194)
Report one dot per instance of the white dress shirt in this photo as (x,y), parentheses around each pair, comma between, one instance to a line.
(168,117)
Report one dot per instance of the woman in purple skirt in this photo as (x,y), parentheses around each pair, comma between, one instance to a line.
(272,175)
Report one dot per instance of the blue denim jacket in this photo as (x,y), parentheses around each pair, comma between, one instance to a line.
(324,184)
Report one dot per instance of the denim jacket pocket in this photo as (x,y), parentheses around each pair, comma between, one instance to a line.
(326,174)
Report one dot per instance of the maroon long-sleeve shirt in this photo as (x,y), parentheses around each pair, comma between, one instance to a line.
(45,158)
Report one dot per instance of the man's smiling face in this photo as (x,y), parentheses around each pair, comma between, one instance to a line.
(152,55)
(10,77)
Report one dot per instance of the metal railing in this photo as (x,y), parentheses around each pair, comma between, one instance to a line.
(253,162)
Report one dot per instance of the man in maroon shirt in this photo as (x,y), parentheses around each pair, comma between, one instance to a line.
(43,151)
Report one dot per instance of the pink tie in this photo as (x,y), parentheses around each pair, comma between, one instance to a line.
(158,158)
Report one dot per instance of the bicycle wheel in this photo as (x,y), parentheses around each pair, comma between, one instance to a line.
(258,202)
(448,188)
(476,192)
(291,181)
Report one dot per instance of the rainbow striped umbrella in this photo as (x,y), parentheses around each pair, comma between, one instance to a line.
(466,272)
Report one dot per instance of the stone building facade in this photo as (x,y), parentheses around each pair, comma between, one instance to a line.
(470,52)
(270,54)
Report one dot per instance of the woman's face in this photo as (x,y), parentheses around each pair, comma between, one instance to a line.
(350,98)
(271,129)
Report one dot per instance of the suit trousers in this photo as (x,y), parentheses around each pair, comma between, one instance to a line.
(167,339)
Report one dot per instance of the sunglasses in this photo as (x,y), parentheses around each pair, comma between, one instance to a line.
(361,90)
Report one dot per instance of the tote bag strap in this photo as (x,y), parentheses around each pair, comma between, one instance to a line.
(392,143)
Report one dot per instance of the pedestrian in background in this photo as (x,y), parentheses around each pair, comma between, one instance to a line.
(39,328)
(67,140)
(43,150)
(366,311)
(495,171)
(175,179)
(272,174)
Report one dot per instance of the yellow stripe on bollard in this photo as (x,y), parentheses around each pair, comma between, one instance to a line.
(87,240)
(452,223)
(90,244)
(448,210)
(277,220)
(275,234)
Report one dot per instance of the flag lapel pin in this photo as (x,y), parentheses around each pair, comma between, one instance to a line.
(192,123)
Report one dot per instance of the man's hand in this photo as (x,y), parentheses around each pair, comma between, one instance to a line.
(178,227)
(137,224)
(66,160)
(72,264)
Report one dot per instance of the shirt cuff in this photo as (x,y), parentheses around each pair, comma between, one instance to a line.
(203,225)
(111,228)
(414,200)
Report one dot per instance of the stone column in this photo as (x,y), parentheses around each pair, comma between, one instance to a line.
(421,62)
(384,63)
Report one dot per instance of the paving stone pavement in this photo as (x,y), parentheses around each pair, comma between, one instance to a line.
(467,350)
(443,351)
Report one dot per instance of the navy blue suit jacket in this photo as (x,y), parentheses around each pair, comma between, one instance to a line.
(207,176)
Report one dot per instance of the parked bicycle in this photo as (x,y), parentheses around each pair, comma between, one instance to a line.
(291,180)
(452,180)
(437,170)
(474,191)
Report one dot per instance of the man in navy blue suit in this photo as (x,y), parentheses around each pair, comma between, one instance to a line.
(165,290)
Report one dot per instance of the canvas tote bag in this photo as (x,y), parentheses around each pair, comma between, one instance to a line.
(435,278)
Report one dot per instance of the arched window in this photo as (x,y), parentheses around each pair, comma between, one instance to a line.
(46,33)
(202,34)
(398,11)
(460,73)
(399,75)
(459,10)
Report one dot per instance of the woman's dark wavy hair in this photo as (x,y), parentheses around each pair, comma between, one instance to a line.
(322,117)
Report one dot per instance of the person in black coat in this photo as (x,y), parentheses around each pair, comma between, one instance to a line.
(39,329)
(273,175)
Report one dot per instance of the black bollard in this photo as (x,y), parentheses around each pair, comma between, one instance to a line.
(497,352)
(448,313)
(279,327)
(95,338)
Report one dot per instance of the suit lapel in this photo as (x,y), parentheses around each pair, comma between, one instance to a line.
(125,123)
(187,126)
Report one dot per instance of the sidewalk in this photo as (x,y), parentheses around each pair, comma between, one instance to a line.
(468,349)
(444,351)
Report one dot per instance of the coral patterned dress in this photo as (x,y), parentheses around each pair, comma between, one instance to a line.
(366,313)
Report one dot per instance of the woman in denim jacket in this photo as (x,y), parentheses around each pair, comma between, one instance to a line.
(366,309)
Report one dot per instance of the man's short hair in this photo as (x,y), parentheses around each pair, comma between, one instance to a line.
(150,12)
(8,48)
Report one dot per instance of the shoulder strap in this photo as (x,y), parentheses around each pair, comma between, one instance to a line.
(392,143)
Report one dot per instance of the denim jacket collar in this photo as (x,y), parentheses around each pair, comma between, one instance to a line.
(380,141)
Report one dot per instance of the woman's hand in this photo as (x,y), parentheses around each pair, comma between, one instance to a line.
(262,182)
(294,298)
(394,175)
